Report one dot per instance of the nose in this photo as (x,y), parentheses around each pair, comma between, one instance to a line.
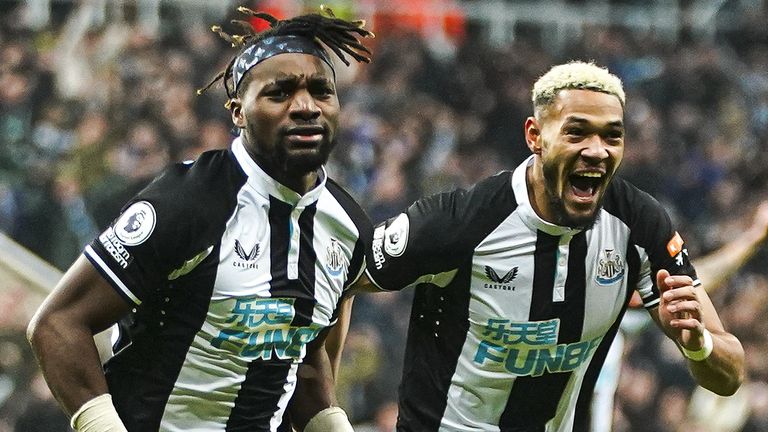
(303,106)
(596,148)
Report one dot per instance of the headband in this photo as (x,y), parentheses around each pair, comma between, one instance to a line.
(272,46)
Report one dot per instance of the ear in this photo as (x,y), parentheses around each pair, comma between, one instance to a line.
(533,135)
(236,109)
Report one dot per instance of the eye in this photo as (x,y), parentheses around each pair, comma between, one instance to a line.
(322,91)
(573,131)
(276,93)
(615,135)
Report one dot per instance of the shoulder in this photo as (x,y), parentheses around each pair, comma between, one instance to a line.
(648,220)
(347,203)
(491,192)
(195,196)
(213,178)
(631,204)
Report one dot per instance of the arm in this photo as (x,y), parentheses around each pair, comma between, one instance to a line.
(334,343)
(313,405)
(684,313)
(716,267)
(61,334)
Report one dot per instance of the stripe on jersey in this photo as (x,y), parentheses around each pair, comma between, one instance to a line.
(142,398)
(258,398)
(582,415)
(533,400)
(303,288)
(354,211)
(433,348)
(305,304)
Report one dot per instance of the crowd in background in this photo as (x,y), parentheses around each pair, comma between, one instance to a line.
(88,115)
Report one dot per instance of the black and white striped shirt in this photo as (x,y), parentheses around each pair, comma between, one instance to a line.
(231,275)
(513,316)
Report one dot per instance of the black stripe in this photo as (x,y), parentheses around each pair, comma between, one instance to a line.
(361,221)
(141,397)
(571,311)
(303,288)
(431,360)
(279,242)
(259,394)
(583,415)
(305,302)
(533,400)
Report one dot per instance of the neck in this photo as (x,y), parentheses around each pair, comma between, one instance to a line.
(537,194)
(300,183)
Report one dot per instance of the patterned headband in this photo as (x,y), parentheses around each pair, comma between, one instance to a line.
(272,46)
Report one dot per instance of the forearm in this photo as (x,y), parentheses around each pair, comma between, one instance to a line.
(334,343)
(314,388)
(69,360)
(723,371)
(715,268)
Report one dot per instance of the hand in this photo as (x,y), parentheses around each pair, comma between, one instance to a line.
(680,310)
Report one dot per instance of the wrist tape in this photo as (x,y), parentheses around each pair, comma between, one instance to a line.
(332,419)
(704,352)
(97,415)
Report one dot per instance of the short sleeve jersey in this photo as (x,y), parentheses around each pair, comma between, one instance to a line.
(231,275)
(513,316)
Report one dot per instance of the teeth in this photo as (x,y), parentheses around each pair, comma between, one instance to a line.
(589,174)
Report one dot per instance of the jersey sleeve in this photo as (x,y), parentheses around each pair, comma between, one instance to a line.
(153,235)
(427,242)
(659,246)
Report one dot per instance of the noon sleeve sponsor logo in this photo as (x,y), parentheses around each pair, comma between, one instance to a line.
(260,328)
(396,236)
(136,224)
(530,348)
(610,267)
(376,247)
(115,248)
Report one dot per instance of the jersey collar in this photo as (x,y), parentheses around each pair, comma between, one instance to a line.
(266,185)
(524,208)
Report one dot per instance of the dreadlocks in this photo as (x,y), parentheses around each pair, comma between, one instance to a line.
(337,34)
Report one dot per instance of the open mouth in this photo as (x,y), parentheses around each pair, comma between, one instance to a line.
(585,184)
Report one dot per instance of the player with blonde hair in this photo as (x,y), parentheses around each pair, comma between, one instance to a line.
(521,281)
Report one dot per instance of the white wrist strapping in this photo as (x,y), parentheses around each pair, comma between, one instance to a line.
(705,350)
(97,415)
(332,419)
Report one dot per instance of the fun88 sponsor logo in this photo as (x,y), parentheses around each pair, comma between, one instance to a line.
(529,348)
(260,328)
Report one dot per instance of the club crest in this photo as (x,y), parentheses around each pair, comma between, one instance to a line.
(610,267)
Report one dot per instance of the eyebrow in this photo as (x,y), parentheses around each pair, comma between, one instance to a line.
(581,120)
(288,79)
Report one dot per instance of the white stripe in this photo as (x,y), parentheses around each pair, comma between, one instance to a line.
(289,387)
(294,244)
(92,253)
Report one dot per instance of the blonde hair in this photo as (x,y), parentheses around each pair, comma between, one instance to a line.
(575,75)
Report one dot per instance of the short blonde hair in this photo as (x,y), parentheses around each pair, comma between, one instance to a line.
(575,75)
